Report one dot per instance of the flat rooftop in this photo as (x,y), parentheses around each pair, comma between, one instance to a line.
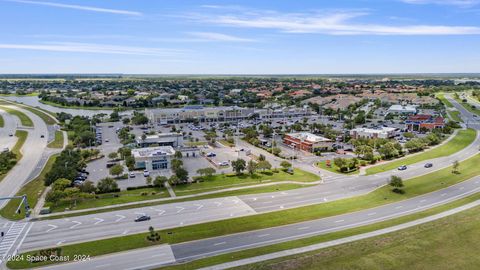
(153,151)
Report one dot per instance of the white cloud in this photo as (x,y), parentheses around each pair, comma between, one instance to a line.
(94,48)
(78,7)
(460,3)
(210,36)
(333,23)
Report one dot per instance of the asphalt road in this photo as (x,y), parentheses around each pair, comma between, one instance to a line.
(10,126)
(157,256)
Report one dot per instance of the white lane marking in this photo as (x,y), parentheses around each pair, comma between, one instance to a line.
(77,223)
(103,265)
(443,194)
(235,201)
(254,199)
(398,207)
(120,217)
(125,232)
(181,209)
(304,228)
(60,242)
(221,243)
(338,221)
(52,227)
(158,255)
(371,214)
(181,223)
(161,212)
(461,188)
(217,203)
(99,220)
(199,206)
(422,201)
(281,207)
(263,235)
(139,213)
(324,199)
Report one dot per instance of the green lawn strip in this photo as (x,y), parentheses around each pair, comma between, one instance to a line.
(32,189)
(125,196)
(455,115)
(2,122)
(47,118)
(226,143)
(195,143)
(223,181)
(24,119)
(447,243)
(58,141)
(22,137)
(34,94)
(317,239)
(445,101)
(333,168)
(463,139)
(74,106)
(256,190)
(118,244)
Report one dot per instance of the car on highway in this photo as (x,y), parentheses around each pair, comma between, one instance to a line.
(402,168)
(142,218)
(10,135)
(146,173)
(428,165)
(211,154)
(223,163)
(42,136)
(132,175)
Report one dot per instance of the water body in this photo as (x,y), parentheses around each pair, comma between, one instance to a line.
(34,102)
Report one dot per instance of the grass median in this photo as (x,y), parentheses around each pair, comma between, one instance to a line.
(455,116)
(468,106)
(58,141)
(413,187)
(24,119)
(463,139)
(2,122)
(21,138)
(224,181)
(32,189)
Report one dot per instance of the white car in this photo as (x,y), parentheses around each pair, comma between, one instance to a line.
(223,163)
(146,173)
(132,175)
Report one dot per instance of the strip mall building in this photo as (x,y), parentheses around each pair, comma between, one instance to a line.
(307,142)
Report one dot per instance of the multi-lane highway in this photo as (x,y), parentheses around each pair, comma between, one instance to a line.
(85,228)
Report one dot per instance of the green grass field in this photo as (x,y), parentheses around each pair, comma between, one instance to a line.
(21,137)
(24,119)
(455,115)
(463,139)
(226,143)
(48,119)
(58,141)
(414,187)
(333,168)
(441,97)
(2,122)
(223,181)
(448,243)
(32,189)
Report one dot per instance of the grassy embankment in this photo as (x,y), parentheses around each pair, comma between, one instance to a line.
(21,138)
(463,139)
(24,119)
(32,189)
(414,187)
(58,141)
(454,115)
(223,181)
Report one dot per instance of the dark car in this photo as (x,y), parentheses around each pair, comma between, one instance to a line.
(142,218)
(428,165)
(42,136)
(402,168)
(211,155)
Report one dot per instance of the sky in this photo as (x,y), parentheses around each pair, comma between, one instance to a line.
(240,37)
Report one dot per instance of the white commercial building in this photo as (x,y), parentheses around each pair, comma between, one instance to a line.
(153,158)
(402,109)
(384,133)
(161,139)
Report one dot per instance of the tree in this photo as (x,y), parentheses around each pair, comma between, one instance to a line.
(61,184)
(239,165)
(176,164)
(264,165)
(159,181)
(251,167)
(144,137)
(116,170)
(113,155)
(285,165)
(276,151)
(178,155)
(455,166)
(148,180)
(88,187)
(206,171)
(54,196)
(173,180)
(107,185)
(261,157)
(397,183)
(181,174)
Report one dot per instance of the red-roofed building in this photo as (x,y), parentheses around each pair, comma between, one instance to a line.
(420,121)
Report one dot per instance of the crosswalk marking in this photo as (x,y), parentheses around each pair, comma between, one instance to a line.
(11,236)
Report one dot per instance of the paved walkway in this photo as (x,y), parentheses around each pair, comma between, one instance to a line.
(340,241)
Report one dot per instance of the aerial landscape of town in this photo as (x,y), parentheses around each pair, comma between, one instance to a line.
(240,135)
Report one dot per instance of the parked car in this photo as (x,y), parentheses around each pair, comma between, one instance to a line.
(428,165)
(132,175)
(402,168)
(10,135)
(110,164)
(142,218)
(223,163)
(211,154)
(146,173)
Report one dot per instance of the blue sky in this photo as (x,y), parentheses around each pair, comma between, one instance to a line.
(239,37)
